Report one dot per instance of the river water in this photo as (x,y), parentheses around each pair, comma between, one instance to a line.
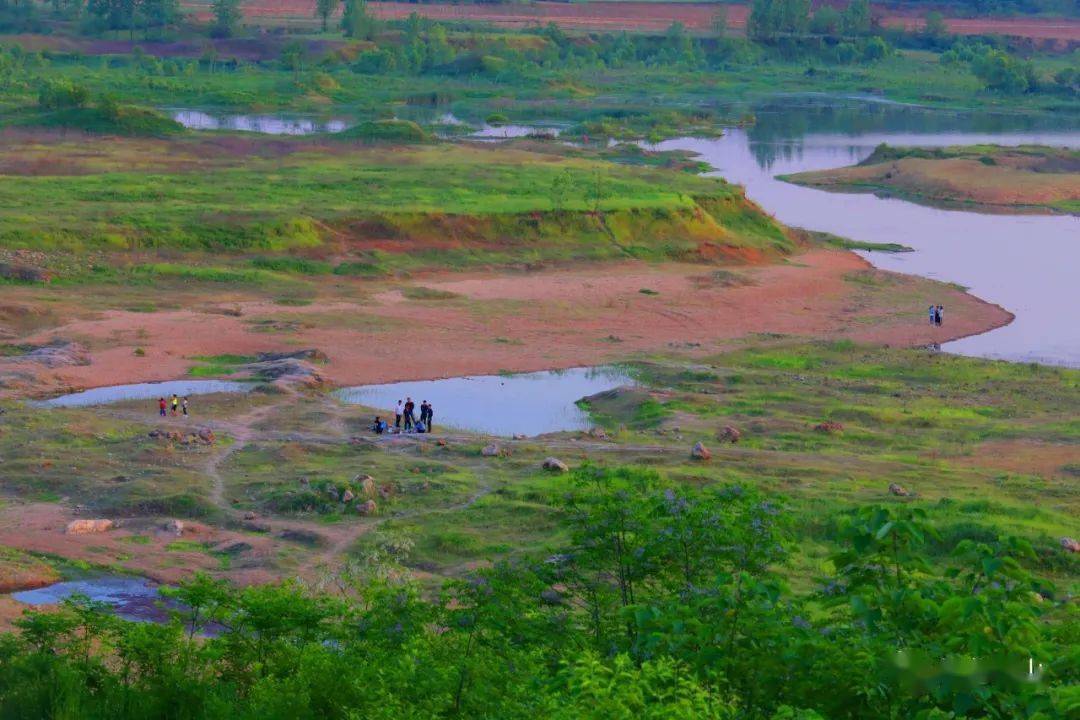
(1028,264)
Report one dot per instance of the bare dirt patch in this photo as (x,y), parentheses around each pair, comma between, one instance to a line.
(525,321)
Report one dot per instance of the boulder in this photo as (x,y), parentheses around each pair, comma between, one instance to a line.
(555,465)
(700,452)
(86,527)
(175,527)
(386,491)
(829,427)
(347,496)
(729,434)
(598,433)
(206,435)
(551,596)
(1069,544)
(250,515)
(519,436)
(491,450)
(898,490)
(368,507)
(333,493)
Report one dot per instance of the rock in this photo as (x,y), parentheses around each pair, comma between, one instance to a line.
(24,273)
(60,354)
(86,527)
(491,450)
(898,490)
(440,443)
(829,427)
(236,548)
(304,537)
(551,596)
(729,434)
(174,436)
(250,515)
(598,433)
(386,491)
(700,452)
(519,436)
(367,484)
(368,507)
(256,527)
(176,527)
(347,496)
(333,493)
(304,481)
(555,465)
(206,435)
(1069,544)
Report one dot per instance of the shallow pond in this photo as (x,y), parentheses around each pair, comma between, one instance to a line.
(145,391)
(1025,263)
(526,403)
(268,124)
(131,598)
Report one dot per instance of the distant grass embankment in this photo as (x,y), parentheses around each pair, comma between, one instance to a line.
(1028,178)
(242,210)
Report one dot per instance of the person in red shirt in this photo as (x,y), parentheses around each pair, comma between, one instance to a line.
(161,406)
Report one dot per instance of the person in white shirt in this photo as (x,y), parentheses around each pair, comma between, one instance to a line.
(398,412)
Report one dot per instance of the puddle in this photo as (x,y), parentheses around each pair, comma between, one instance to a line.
(527,403)
(266,124)
(506,132)
(131,598)
(145,391)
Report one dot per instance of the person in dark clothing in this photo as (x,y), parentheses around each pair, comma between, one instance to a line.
(938,313)
(379,427)
(430,421)
(410,407)
(424,411)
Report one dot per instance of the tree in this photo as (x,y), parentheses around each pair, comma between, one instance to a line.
(826,21)
(855,20)
(357,22)
(1004,73)
(158,14)
(323,10)
(227,16)
(934,27)
(720,21)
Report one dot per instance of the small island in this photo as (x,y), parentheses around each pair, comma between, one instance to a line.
(1024,179)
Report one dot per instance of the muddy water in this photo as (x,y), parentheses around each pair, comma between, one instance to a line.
(131,598)
(1027,264)
(145,391)
(505,405)
(268,124)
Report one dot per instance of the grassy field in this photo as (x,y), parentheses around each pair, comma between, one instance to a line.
(985,448)
(1023,179)
(280,208)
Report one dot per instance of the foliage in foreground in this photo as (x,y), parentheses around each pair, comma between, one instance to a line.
(666,603)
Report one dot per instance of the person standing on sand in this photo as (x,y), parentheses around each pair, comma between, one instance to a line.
(423,411)
(398,412)
(937,315)
(410,406)
(183,406)
(161,406)
(175,404)
(430,415)
(933,315)
(940,314)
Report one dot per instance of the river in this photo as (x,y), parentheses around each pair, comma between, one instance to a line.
(1028,264)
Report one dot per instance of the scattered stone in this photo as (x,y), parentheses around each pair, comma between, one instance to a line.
(86,527)
(491,450)
(729,434)
(333,493)
(176,527)
(1069,544)
(700,452)
(368,507)
(304,537)
(256,527)
(386,491)
(236,548)
(304,481)
(77,509)
(598,432)
(829,427)
(250,515)
(206,435)
(555,465)
(440,443)
(347,496)
(898,490)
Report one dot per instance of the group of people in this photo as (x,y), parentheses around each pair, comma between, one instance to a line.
(177,404)
(936,312)
(405,419)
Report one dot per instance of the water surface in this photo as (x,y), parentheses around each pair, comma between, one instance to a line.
(145,391)
(1028,264)
(131,598)
(267,124)
(526,403)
